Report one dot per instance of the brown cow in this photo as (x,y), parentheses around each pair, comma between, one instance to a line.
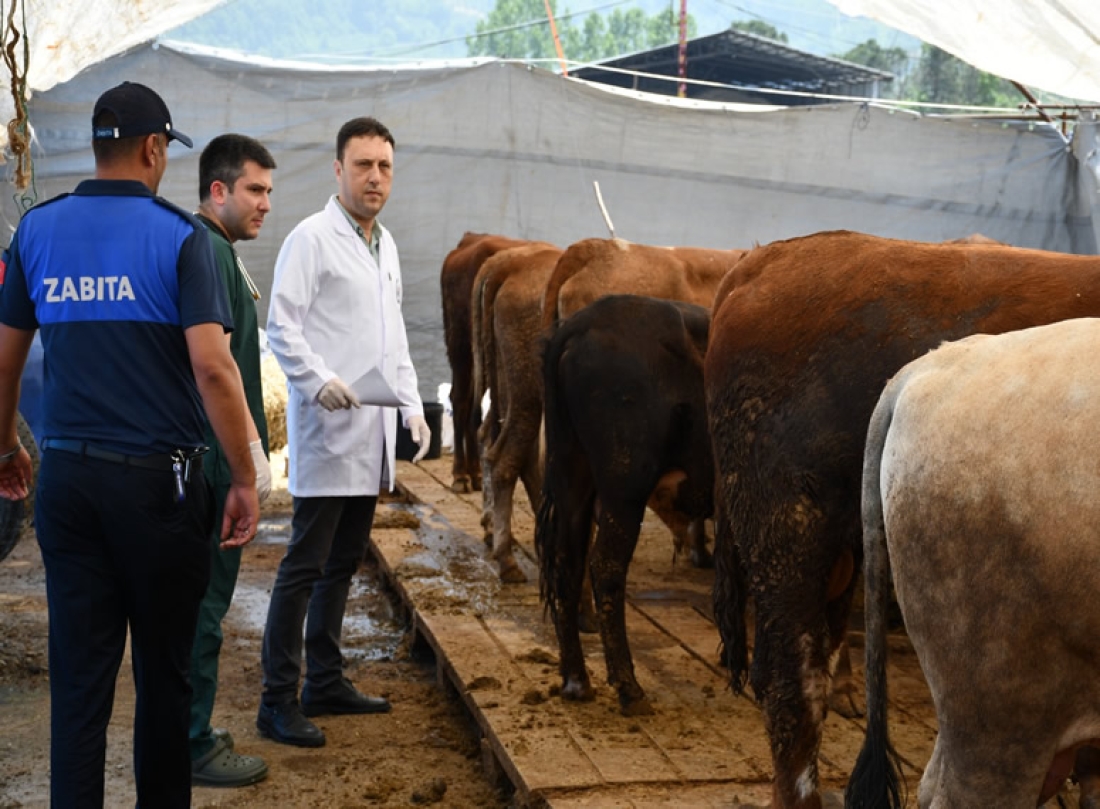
(506,306)
(592,268)
(979,491)
(800,350)
(456,282)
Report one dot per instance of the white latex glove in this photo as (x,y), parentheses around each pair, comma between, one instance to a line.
(421,434)
(336,395)
(263,469)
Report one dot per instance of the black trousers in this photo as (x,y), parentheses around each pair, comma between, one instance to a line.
(120,552)
(328,538)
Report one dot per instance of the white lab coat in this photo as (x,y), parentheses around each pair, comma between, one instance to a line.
(335,312)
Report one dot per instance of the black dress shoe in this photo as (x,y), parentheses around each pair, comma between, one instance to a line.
(285,724)
(341,698)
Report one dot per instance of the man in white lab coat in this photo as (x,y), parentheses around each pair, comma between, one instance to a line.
(335,315)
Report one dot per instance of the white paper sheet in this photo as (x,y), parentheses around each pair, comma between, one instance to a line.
(372,389)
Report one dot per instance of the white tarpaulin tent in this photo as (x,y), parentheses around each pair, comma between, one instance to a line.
(62,37)
(1049,44)
(509,149)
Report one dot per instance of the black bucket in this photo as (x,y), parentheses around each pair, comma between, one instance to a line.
(407,448)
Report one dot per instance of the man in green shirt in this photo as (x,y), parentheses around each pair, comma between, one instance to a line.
(234,197)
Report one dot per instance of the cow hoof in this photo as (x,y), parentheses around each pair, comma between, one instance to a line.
(475,484)
(510,573)
(636,707)
(702,559)
(577,691)
(461,485)
(847,704)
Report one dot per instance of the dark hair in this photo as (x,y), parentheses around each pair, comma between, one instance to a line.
(360,128)
(224,157)
(108,150)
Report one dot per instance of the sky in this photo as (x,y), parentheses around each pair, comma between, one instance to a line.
(426,29)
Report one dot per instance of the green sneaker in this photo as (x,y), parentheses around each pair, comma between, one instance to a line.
(223,767)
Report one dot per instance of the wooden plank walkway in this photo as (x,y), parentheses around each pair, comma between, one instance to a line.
(703,747)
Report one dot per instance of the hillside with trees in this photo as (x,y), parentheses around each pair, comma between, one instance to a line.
(387,31)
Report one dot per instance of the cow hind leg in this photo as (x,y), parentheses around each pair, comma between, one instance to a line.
(487,488)
(790,677)
(564,527)
(612,550)
(701,556)
(981,770)
(845,696)
(587,621)
(503,540)
(496,519)
(473,464)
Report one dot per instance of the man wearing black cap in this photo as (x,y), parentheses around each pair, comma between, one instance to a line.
(133,317)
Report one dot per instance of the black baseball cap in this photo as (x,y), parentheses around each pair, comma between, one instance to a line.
(138,110)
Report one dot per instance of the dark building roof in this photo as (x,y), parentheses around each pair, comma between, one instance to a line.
(744,60)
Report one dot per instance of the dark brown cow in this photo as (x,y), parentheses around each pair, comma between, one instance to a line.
(592,268)
(456,282)
(507,300)
(979,493)
(623,391)
(800,349)
(585,271)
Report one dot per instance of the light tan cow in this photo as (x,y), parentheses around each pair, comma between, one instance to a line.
(980,484)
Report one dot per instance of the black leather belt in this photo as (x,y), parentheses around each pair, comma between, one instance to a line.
(162,461)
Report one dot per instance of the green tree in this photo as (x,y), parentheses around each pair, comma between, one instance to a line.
(871,54)
(759,28)
(664,27)
(628,32)
(945,79)
(518,29)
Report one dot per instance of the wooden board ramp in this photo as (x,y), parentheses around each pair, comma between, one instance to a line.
(703,747)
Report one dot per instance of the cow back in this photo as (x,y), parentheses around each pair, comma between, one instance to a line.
(592,268)
(813,327)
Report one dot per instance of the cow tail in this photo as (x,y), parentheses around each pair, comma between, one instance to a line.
(875,782)
(548,526)
(481,340)
(730,595)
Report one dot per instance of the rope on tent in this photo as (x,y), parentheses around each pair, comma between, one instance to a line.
(19,127)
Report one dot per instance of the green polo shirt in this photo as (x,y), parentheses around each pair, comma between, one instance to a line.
(244,345)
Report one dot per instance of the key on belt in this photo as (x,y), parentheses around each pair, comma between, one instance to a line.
(181,470)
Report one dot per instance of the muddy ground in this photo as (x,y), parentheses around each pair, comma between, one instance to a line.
(426,752)
(429,751)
